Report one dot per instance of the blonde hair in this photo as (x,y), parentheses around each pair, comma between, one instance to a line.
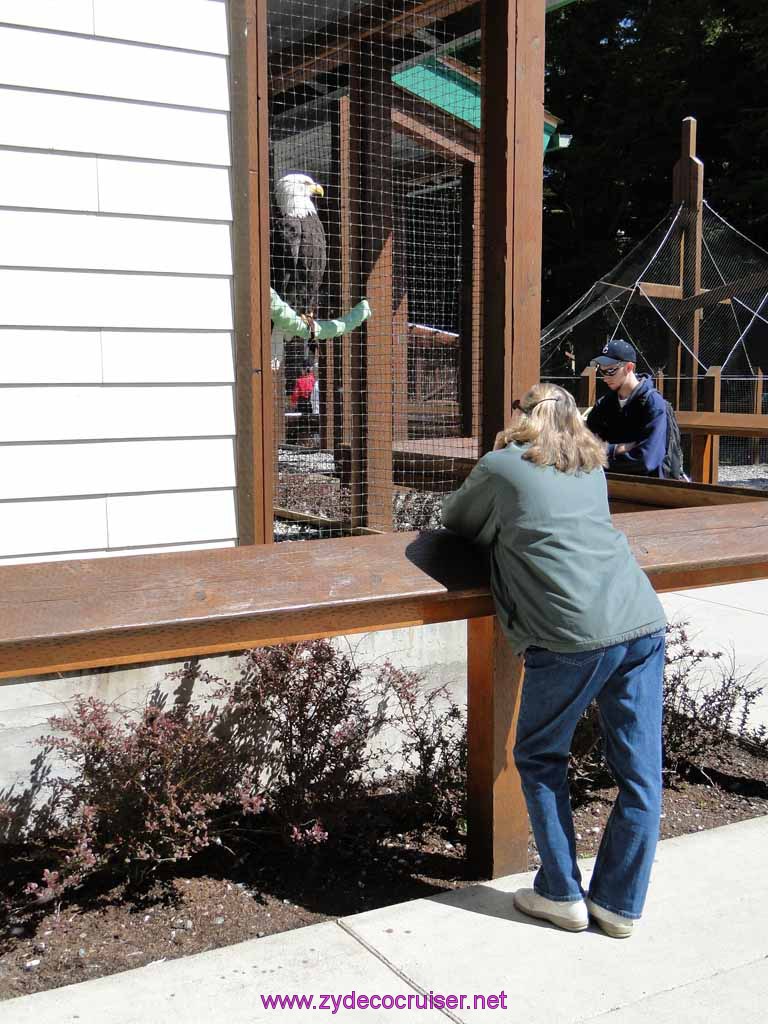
(551,425)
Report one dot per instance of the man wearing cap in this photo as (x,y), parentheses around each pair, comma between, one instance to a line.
(632,417)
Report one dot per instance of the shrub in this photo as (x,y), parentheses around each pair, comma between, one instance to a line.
(291,735)
(701,713)
(143,790)
(702,709)
(433,747)
(299,712)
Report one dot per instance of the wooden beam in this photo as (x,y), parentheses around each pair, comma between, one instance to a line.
(349,269)
(431,337)
(688,188)
(452,137)
(401,335)
(757,409)
(652,493)
(436,407)
(705,448)
(588,387)
(250,185)
(307,517)
(513,106)
(714,296)
(470,286)
(497,825)
(372,216)
(731,424)
(652,290)
(442,143)
(449,61)
(335,44)
(82,614)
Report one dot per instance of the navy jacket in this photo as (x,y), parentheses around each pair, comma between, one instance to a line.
(643,419)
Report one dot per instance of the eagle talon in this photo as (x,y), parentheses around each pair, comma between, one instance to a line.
(311,323)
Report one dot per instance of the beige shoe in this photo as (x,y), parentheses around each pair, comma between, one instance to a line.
(571,915)
(615,925)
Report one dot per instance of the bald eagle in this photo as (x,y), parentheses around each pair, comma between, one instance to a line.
(299,249)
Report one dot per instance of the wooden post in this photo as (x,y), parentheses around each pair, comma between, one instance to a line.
(688,188)
(250,178)
(705,448)
(512,115)
(466,330)
(660,382)
(757,409)
(588,387)
(497,820)
(371,189)
(348,270)
(400,324)
(470,355)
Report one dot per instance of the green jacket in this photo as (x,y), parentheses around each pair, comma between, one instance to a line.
(562,576)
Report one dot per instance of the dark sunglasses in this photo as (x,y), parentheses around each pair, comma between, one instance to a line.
(609,371)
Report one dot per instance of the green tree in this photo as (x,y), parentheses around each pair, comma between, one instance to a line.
(623,74)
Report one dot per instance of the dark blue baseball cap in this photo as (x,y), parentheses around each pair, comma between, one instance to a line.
(616,351)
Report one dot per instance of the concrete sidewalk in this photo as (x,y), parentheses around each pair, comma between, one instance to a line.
(700,954)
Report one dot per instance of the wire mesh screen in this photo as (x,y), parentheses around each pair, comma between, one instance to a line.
(374,138)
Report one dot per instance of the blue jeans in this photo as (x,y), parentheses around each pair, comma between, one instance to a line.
(626,680)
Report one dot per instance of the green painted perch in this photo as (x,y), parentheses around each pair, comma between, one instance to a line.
(288,321)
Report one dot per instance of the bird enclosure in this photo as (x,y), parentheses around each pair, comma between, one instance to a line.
(376,191)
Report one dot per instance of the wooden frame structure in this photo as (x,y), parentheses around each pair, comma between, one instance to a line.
(693,298)
(501,266)
(250,193)
(60,616)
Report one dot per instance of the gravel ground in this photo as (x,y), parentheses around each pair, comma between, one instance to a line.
(745,476)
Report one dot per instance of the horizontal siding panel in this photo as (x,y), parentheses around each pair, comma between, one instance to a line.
(89,184)
(169,518)
(49,357)
(72,241)
(47,181)
(36,471)
(165,190)
(28,526)
(66,15)
(47,60)
(88,414)
(84,125)
(134,357)
(187,24)
(38,298)
(115,554)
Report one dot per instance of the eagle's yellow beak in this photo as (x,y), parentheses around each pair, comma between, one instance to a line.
(317,190)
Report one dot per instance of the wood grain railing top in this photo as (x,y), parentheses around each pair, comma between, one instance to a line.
(731,424)
(56,616)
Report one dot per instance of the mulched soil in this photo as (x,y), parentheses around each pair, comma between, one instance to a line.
(215,904)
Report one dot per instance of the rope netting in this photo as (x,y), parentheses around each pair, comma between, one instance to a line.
(715,316)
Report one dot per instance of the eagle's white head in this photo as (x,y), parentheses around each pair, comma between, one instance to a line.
(293,194)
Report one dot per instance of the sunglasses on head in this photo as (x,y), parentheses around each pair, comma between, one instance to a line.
(517,404)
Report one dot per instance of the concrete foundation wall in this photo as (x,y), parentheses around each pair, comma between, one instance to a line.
(438,651)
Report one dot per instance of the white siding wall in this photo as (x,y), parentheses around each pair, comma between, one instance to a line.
(116,351)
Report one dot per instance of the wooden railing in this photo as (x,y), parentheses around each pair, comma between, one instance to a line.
(59,616)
